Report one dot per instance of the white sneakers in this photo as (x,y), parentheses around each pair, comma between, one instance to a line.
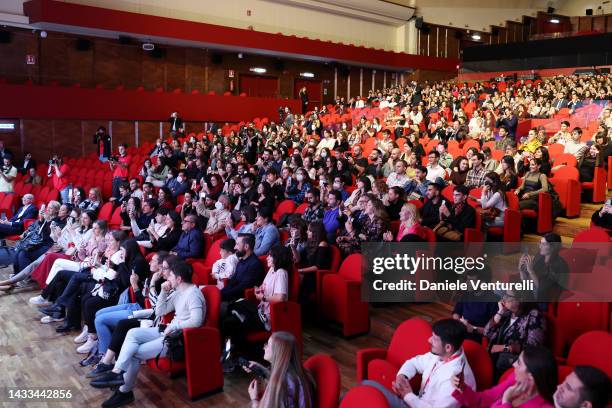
(39,301)
(86,348)
(82,338)
(49,319)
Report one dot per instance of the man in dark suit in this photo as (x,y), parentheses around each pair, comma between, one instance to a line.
(176,124)
(191,242)
(249,270)
(560,102)
(14,226)
(28,163)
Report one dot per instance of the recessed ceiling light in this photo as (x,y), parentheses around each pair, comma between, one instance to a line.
(554,20)
(475,36)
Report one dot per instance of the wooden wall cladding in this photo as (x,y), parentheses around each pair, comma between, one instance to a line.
(109,63)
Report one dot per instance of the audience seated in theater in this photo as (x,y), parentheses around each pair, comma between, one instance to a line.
(266,233)
(476,307)
(534,183)
(15,224)
(218,218)
(69,288)
(249,271)
(396,200)
(113,323)
(331,218)
(508,176)
(143,343)
(164,198)
(289,384)
(575,146)
(589,161)
(374,225)
(454,220)
(314,255)
(547,269)
(364,186)
(416,188)
(586,386)
(244,316)
(459,171)
(225,266)
(476,175)
(445,360)
(398,177)
(517,324)
(247,219)
(532,384)
(493,201)
(603,217)
(430,212)
(165,236)
(191,241)
(409,224)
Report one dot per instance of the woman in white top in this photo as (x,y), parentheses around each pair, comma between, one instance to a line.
(493,196)
(157,228)
(244,316)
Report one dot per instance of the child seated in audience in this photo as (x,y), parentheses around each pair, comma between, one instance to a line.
(225,267)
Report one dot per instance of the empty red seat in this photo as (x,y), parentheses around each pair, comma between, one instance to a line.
(327,379)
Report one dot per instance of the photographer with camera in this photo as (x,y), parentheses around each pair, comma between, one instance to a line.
(58,170)
(103,140)
(119,166)
(8,174)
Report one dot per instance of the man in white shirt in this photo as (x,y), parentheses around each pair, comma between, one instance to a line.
(398,177)
(437,367)
(563,135)
(7,174)
(434,170)
(575,146)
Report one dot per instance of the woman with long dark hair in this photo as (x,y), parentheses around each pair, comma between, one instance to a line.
(171,234)
(547,269)
(493,201)
(275,288)
(508,176)
(460,171)
(534,183)
(531,385)
(316,255)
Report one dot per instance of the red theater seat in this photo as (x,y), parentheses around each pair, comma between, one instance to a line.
(364,396)
(327,379)
(203,369)
(341,297)
(410,339)
(592,348)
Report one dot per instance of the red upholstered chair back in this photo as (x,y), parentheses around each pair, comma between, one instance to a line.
(106,211)
(567,172)
(301,208)
(327,378)
(592,348)
(364,396)
(565,158)
(336,258)
(213,254)
(351,267)
(513,201)
(592,235)
(286,206)
(212,295)
(410,339)
(480,362)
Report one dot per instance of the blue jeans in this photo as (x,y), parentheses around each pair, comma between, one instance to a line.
(106,321)
(20,258)
(65,194)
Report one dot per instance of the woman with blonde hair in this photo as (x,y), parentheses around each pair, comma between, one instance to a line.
(289,385)
(410,223)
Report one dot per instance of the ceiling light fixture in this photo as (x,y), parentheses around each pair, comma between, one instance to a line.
(476,37)
(307,74)
(554,21)
(258,70)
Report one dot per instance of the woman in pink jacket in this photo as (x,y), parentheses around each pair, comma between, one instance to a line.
(530,386)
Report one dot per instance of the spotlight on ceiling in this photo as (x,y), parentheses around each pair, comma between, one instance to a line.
(258,70)
(476,37)
(554,20)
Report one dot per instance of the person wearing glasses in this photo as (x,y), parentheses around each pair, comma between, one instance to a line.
(191,242)
(518,323)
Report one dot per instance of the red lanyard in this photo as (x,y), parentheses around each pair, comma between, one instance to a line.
(433,370)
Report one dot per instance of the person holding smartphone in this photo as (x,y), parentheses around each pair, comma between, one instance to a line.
(603,217)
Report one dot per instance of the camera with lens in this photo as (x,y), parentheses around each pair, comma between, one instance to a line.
(113,158)
(52,162)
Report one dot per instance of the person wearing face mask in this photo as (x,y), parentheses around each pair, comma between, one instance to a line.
(219,217)
(178,185)
(297,192)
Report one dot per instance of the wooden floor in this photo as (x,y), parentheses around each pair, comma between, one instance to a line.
(33,355)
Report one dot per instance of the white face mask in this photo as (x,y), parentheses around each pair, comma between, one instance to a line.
(324,154)
(337,186)
(179,179)
(218,205)
(299,177)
